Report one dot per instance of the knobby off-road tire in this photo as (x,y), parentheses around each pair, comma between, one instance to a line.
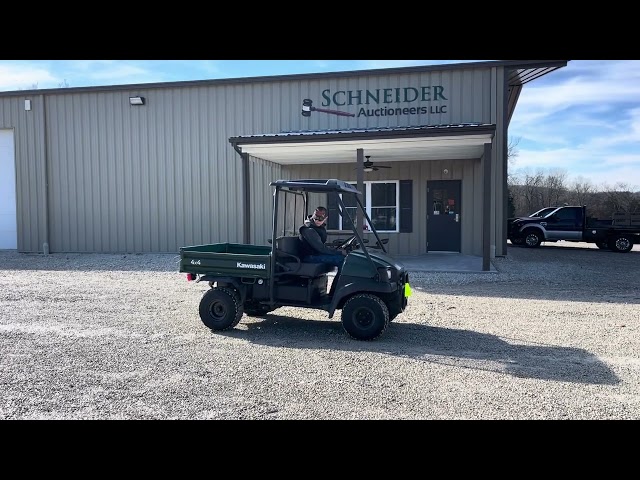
(365,317)
(621,243)
(220,308)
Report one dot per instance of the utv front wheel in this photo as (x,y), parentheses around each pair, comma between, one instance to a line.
(365,317)
(219,309)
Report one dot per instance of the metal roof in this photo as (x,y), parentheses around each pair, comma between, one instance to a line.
(386,144)
(522,71)
(369,132)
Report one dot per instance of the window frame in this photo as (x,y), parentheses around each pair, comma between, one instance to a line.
(367,186)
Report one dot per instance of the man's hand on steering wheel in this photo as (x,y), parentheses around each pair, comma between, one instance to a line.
(350,244)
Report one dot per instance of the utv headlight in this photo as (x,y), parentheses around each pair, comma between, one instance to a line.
(385,274)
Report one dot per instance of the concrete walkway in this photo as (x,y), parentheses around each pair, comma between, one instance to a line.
(444,262)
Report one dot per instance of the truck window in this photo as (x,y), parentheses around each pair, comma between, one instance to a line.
(542,212)
(570,215)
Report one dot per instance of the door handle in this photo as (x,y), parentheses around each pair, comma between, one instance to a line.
(457,217)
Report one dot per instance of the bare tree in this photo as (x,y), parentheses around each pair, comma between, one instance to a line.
(512,153)
(554,189)
(620,199)
(512,150)
(512,179)
(581,191)
(531,192)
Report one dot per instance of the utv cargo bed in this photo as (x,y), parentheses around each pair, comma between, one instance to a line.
(252,261)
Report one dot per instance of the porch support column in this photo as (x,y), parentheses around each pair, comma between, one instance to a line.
(486,208)
(360,180)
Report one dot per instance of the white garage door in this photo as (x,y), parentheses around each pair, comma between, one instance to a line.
(8,220)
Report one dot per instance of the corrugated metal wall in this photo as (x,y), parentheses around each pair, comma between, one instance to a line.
(156,177)
(29,144)
(420,172)
(144,178)
(261,194)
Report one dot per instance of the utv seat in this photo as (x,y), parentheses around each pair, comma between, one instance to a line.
(288,257)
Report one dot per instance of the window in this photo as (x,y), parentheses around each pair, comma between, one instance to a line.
(567,215)
(381,200)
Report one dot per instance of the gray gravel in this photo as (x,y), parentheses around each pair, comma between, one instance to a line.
(554,335)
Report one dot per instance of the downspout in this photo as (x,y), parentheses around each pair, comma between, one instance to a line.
(246,193)
(45,180)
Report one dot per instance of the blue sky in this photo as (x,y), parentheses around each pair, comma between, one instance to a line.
(583,119)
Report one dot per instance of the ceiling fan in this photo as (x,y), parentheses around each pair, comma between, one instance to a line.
(369,167)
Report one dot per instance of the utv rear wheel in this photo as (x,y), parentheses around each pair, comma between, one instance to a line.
(365,317)
(220,309)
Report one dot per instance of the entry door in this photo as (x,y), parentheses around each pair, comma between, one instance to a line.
(443,216)
(8,216)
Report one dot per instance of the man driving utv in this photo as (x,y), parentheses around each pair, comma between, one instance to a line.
(313,235)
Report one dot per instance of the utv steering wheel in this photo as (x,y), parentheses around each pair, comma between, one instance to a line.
(350,244)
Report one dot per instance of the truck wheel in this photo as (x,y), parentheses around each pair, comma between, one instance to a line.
(532,239)
(603,245)
(365,316)
(219,309)
(621,243)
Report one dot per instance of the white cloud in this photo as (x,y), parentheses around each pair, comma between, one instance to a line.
(592,83)
(584,118)
(24,77)
(124,72)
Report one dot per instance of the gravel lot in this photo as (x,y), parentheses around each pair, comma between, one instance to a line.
(554,335)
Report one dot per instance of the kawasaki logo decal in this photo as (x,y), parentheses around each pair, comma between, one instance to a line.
(256,266)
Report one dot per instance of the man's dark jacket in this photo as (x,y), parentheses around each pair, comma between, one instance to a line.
(312,239)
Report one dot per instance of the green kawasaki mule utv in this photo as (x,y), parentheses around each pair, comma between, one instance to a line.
(372,288)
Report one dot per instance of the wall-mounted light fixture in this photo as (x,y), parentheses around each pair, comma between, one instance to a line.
(445,171)
(136,100)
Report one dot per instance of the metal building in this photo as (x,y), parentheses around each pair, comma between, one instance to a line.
(153,167)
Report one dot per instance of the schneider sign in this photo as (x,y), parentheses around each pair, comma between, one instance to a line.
(376,101)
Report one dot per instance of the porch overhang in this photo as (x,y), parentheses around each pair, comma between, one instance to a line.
(388,144)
